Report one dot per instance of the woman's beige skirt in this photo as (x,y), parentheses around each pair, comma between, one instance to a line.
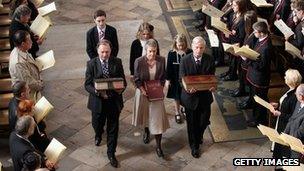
(149,114)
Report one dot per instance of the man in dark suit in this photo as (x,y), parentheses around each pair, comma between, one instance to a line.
(105,105)
(99,32)
(20,144)
(20,91)
(258,74)
(295,125)
(197,103)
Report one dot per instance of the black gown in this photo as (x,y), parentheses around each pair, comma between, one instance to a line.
(172,74)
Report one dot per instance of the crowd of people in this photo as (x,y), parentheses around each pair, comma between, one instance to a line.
(28,139)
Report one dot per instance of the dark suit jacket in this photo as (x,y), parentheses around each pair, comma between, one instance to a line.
(18,148)
(14,27)
(259,71)
(12,113)
(283,10)
(219,4)
(141,72)
(295,126)
(94,71)
(93,39)
(188,67)
(298,39)
(136,52)
(239,27)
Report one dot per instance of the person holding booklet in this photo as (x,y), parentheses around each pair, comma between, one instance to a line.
(147,112)
(236,24)
(197,103)
(20,20)
(258,74)
(179,50)
(16,3)
(23,67)
(20,145)
(285,108)
(105,105)
(295,125)
(20,106)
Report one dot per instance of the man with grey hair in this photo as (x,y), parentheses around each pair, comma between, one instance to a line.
(20,20)
(295,125)
(197,103)
(20,144)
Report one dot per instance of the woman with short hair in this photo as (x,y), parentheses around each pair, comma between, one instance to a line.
(285,108)
(150,114)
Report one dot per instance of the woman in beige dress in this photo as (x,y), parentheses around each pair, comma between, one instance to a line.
(150,114)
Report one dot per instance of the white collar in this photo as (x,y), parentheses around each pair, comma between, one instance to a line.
(99,30)
(196,59)
(301,105)
(102,61)
(263,38)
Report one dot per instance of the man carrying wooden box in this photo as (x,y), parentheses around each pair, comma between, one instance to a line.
(197,102)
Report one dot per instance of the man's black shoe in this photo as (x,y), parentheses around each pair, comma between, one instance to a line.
(146,136)
(245,105)
(229,78)
(159,152)
(252,124)
(195,153)
(222,75)
(97,141)
(238,93)
(113,160)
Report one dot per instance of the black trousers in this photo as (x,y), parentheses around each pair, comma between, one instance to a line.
(259,114)
(197,122)
(110,115)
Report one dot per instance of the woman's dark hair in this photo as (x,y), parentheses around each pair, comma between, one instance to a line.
(261,27)
(250,18)
(19,37)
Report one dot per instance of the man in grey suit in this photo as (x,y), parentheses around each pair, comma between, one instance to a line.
(107,105)
(295,125)
(197,103)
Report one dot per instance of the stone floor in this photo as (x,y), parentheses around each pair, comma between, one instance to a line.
(70,121)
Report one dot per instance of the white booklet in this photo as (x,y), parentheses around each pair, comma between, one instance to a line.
(45,10)
(46,60)
(40,26)
(54,151)
(283,28)
(42,108)
(212,11)
(214,41)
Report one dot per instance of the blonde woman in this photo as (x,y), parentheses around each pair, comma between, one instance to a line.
(285,108)
(144,33)
(179,50)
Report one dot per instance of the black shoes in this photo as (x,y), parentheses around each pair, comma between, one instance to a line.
(146,136)
(238,93)
(245,105)
(252,124)
(160,153)
(97,141)
(229,78)
(113,160)
(195,153)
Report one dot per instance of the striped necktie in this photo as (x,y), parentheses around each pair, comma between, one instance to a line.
(105,69)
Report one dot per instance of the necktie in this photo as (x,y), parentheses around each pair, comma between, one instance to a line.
(198,64)
(299,109)
(101,35)
(105,69)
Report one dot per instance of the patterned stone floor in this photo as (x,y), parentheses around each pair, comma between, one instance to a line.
(70,121)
